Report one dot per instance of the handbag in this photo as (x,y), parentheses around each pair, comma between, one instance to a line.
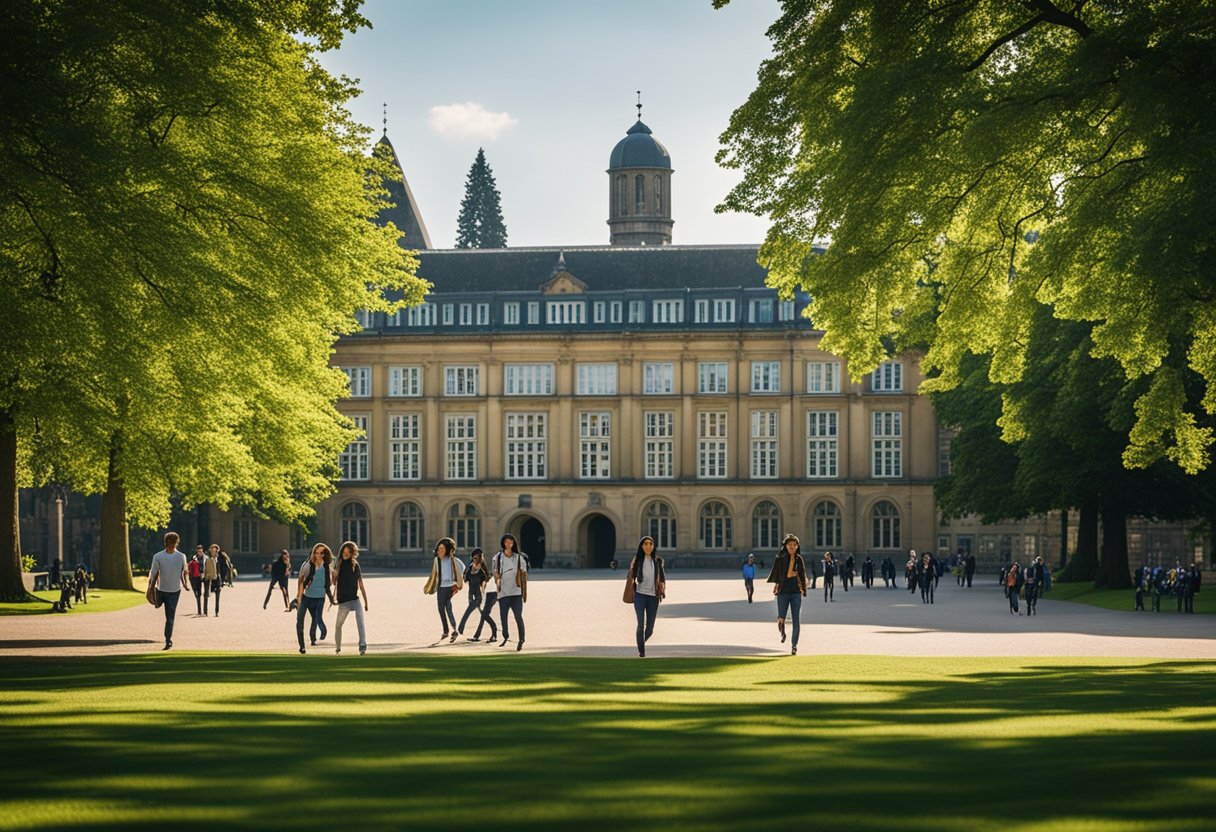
(153,595)
(629,590)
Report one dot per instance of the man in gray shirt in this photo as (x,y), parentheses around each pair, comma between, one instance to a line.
(169,565)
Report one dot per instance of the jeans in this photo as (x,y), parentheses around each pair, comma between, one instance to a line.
(749,584)
(170,599)
(474,604)
(212,588)
(1013,599)
(829,583)
(196,584)
(926,590)
(345,609)
(791,602)
(270,590)
(443,597)
(315,607)
(514,604)
(487,616)
(647,609)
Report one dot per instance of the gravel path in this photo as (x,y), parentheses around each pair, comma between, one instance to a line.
(706,614)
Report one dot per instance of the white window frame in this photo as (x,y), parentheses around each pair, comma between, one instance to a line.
(786,310)
(713,377)
(615,312)
(667,311)
(595,445)
(461,380)
(822,377)
(527,380)
(595,379)
(760,311)
(565,312)
(660,444)
(701,313)
(353,461)
(421,315)
(888,377)
(413,539)
(359,381)
(659,521)
(764,448)
(466,314)
(526,444)
(887,443)
(724,310)
(597,312)
(448,316)
(713,445)
(766,528)
(460,434)
(405,381)
(404,446)
(766,376)
(533,312)
(658,378)
(637,311)
(822,444)
(510,313)
(715,531)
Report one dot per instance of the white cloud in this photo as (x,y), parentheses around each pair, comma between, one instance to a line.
(469,120)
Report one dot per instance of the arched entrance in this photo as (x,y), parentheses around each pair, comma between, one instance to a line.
(597,540)
(532,541)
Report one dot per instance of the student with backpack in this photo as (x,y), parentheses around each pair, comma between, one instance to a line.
(511,578)
(312,589)
(447,578)
(1013,584)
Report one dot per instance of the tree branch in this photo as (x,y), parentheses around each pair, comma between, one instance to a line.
(1054,14)
(1004,39)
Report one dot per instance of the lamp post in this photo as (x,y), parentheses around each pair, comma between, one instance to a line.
(61,498)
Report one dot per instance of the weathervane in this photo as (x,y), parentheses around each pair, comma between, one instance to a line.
(386,118)
(639,105)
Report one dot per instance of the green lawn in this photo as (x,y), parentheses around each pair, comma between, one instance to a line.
(1083,592)
(206,741)
(100,600)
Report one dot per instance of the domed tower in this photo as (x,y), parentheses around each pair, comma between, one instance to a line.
(639,190)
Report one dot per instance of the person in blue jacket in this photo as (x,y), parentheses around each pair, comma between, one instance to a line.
(749,576)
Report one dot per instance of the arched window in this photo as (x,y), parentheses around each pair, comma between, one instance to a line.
(715,532)
(886,525)
(639,194)
(766,526)
(411,534)
(659,521)
(464,526)
(826,522)
(355,525)
(658,193)
(622,196)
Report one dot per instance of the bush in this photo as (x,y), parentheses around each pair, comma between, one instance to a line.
(28,562)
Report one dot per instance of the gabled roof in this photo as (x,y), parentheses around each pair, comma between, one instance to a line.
(404,213)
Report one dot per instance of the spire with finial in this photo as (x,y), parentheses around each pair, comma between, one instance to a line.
(386,118)
(639,105)
(561,263)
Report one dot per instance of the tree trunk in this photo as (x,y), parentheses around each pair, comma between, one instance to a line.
(1113,571)
(1084,563)
(1063,538)
(12,588)
(114,570)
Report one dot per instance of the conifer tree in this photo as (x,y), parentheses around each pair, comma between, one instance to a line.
(480,223)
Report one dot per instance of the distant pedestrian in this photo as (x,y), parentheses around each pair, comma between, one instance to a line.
(749,576)
(888,572)
(510,568)
(649,587)
(490,605)
(280,570)
(195,567)
(846,574)
(348,585)
(829,577)
(926,576)
(969,569)
(1013,583)
(81,582)
(312,588)
(867,572)
(227,574)
(789,585)
(168,574)
(447,578)
(212,583)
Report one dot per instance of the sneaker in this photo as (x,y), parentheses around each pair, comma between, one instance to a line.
(362,649)
(504,641)
(337,651)
(453,639)
(519,646)
(474,638)
(641,654)
(793,651)
(314,642)
(168,644)
(302,651)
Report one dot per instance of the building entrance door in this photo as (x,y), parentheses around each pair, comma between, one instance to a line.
(599,541)
(532,541)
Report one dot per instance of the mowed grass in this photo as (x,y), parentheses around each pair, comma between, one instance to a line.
(100,600)
(530,742)
(1083,592)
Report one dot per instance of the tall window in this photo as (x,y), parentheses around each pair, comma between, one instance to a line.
(359,380)
(464,525)
(462,447)
(597,312)
(448,316)
(658,193)
(888,378)
(701,311)
(527,444)
(888,443)
(364,317)
(668,311)
(660,441)
(658,378)
(766,525)
(637,311)
(483,314)
(711,446)
(766,376)
(533,312)
(622,196)
(460,381)
(639,193)
(245,533)
(595,445)
(711,376)
(785,310)
(659,521)
(945,437)
(355,524)
(823,376)
(761,311)
(527,380)
(566,312)
(822,443)
(715,526)
(421,315)
(885,518)
(466,314)
(510,313)
(403,449)
(353,461)
(404,381)
(614,312)
(764,444)
(411,535)
(724,310)
(595,379)
(826,522)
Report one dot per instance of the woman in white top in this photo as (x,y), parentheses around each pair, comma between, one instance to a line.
(447,577)
(649,587)
(511,576)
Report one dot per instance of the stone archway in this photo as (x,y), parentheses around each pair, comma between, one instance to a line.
(532,541)
(597,541)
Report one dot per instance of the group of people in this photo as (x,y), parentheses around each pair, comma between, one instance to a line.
(1156,581)
(1029,582)
(508,570)
(210,570)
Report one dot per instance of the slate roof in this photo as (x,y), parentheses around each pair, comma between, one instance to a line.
(602,268)
(404,214)
(639,149)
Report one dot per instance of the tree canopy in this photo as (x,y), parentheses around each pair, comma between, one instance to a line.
(186,220)
(966,162)
(480,223)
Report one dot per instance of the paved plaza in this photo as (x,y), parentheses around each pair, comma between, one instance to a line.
(706,614)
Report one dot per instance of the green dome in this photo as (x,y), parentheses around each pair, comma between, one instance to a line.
(639,150)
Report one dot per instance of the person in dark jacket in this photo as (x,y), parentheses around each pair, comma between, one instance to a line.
(476,576)
(888,572)
(1013,585)
(926,577)
(829,577)
(280,570)
(649,587)
(789,585)
(969,569)
(867,572)
(846,574)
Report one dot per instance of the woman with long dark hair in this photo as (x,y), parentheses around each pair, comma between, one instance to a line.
(312,589)
(476,576)
(348,583)
(447,577)
(511,579)
(789,579)
(649,587)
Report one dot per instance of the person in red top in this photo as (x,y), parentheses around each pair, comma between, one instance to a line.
(196,577)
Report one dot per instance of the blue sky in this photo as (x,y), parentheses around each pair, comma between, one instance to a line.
(551,86)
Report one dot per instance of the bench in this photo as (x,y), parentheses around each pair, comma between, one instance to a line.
(35,581)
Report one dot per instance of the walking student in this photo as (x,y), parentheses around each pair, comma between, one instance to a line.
(789,579)
(168,572)
(476,576)
(511,578)
(749,576)
(312,588)
(927,577)
(196,578)
(279,571)
(829,577)
(348,585)
(211,577)
(447,577)
(487,609)
(1013,583)
(649,587)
